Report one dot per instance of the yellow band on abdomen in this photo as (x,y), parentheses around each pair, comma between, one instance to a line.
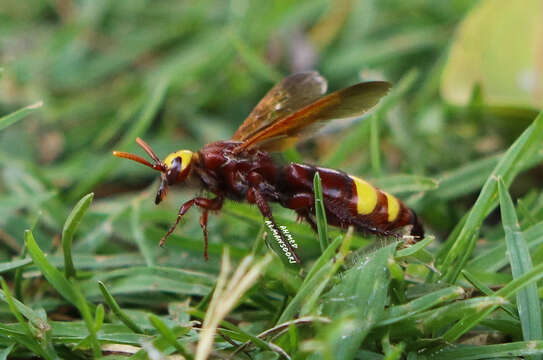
(393,207)
(366,196)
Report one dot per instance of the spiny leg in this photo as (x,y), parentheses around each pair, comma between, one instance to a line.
(203,203)
(182,210)
(203,224)
(254,197)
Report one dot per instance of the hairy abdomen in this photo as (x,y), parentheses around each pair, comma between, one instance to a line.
(348,200)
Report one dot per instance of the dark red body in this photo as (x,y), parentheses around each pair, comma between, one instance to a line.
(254,176)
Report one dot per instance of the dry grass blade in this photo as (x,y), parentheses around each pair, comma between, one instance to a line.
(227,294)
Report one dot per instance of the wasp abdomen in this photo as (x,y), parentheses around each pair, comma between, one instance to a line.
(348,200)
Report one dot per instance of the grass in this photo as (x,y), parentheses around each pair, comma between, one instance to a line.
(83,276)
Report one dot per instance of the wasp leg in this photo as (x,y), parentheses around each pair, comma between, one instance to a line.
(302,203)
(255,197)
(203,224)
(203,203)
(304,215)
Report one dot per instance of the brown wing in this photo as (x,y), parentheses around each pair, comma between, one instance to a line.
(349,102)
(290,94)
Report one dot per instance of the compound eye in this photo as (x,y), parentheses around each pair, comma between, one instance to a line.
(174,170)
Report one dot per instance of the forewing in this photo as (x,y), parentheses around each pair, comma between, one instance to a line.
(290,94)
(345,103)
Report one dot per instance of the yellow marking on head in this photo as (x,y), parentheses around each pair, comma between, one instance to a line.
(393,207)
(185,155)
(366,196)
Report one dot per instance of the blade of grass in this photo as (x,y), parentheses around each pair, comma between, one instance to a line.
(85,311)
(18,277)
(28,313)
(467,179)
(44,350)
(502,351)
(114,306)
(357,299)
(529,307)
(488,292)
(494,258)
(436,319)
(55,277)
(310,301)
(320,214)
(4,353)
(228,291)
(457,267)
(405,183)
(70,227)
(244,336)
(99,316)
(507,291)
(137,232)
(521,149)
(13,265)
(315,276)
(170,336)
(12,118)
(413,249)
(400,312)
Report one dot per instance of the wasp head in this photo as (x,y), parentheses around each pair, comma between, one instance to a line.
(174,169)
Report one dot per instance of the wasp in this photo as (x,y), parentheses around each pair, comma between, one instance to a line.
(242,168)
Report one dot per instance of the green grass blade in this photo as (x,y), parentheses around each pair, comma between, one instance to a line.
(139,238)
(400,312)
(70,227)
(521,149)
(37,321)
(358,299)
(507,291)
(488,292)
(13,265)
(99,315)
(320,214)
(405,183)
(44,351)
(470,177)
(501,351)
(85,311)
(457,267)
(528,304)
(4,353)
(55,277)
(12,118)
(309,302)
(494,258)
(169,336)
(114,306)
(318,271)
(415,248)
(437,319)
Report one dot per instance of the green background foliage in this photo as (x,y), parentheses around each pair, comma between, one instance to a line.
(83,276)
